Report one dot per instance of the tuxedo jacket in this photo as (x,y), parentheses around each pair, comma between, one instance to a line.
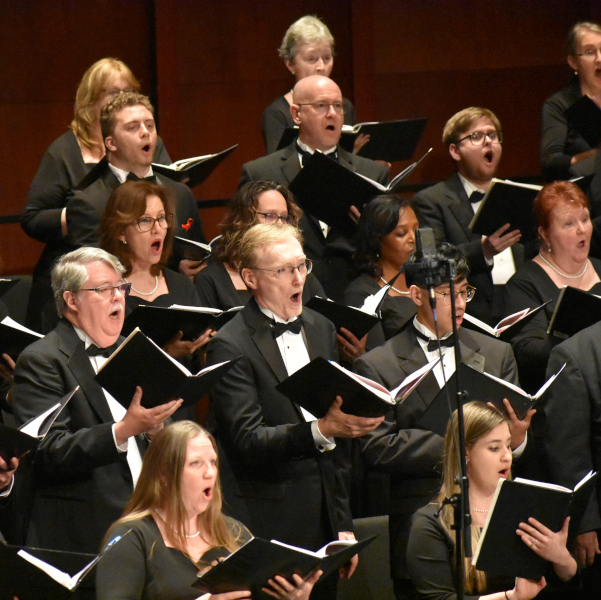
(82,481)
(274,478)
(85,208)
(331,255)
(569,421)
(446,208)
(413,457)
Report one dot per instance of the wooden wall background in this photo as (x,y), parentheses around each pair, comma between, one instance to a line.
(211,67)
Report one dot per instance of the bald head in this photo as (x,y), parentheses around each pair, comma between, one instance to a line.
(319,125)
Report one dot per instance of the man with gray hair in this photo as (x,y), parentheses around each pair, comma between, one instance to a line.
(87,465)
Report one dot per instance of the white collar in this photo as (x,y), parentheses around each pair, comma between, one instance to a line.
(310,150)
(423,329)
(468,186)
(271,315)
(121,175)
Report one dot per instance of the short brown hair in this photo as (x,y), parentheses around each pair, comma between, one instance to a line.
(460,122)
(553,194)
(262,235)
(241,216)
(109,113)
(127,204)
(90,89)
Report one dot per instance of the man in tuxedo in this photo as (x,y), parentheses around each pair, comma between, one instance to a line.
(130,137)
(318,110)
(473,137)
(88,463)
(282,470)
(569,425)
(413,456)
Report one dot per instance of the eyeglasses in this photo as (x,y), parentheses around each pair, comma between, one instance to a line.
(467,294)
(147,223)
(589,53)
(322,108)
(108,291)
(271,218)
(477,138)
(304,269)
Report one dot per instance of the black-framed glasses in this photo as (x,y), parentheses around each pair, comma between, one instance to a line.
(467,294)
(589,53)
(322,108)
(106,291)
(304,269)
(477,137)
(272,218)
(147,223)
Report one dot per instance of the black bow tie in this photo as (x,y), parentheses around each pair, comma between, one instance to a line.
(476,197)
(134,177)
(448,342)
(292,326)
(93,350)
(305,154)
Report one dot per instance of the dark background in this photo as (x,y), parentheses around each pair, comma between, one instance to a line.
(211,67)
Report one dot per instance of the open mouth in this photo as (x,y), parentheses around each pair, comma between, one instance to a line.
(330,128)
(146,148)
(116,312)
(488,157)
(296,298)
(156,246)
(207,493)
(504,473)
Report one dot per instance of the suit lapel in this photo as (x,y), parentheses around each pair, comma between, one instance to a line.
(470,354)
(460,204)
(290,163)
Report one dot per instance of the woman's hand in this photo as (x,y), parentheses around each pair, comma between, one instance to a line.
(191,268)
(178,348)
(360,141)
(281,588)
(517,428)
(226,596)
(550,545)
(7,470)
(349,346)
(7,368)
(525,589)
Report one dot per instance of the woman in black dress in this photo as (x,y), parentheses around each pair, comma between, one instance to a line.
(64,165)
(176,527)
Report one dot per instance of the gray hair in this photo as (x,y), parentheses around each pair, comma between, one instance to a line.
(70,273)
(307,30)
(261,235)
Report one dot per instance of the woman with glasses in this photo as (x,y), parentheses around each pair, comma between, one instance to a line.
(564,151)
(307,49)
(385,240)
(431,548)
(562,214)
(219,284)
(136,228)
(63,166)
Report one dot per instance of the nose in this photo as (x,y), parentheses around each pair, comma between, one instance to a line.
(299,278)
(319,66)
(507,455)
(461,299)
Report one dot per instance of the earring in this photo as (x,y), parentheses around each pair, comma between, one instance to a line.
(576,73)
(549,248)
(124,242)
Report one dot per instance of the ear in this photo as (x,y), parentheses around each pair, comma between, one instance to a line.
(454,152)
(110,144)
(415,293)
(69,298)
(572,62)
(543,235)
(295,112)
(121,238)
(290,66)
(248,276)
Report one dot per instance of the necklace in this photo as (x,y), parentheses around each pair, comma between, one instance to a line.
(563,274)
(158,512)
(393,288)
(482,510)
(156,287)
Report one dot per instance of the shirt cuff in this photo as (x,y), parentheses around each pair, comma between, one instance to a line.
(520,449)
(123,446)
(8,489)
(322,443)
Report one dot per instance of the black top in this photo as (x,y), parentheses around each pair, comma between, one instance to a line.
(277,117)
(216,289)
(431,559)
(396,310)
(142,567)
(529,288)
(181,291)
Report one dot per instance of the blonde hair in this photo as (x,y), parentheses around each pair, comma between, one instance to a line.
(575,35)
(480,419)
(307,30)
(90,90)
(261,235)
(460,122)
(159,488)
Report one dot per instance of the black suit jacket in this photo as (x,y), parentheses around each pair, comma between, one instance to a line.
(274,479)
(331,255)
(85,209)
(82,481)
(446,208)
(412,456)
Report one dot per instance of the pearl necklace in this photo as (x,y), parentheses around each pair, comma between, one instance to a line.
(158,512)
(156,287)
(481,510)
(563,274)
(393,288)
